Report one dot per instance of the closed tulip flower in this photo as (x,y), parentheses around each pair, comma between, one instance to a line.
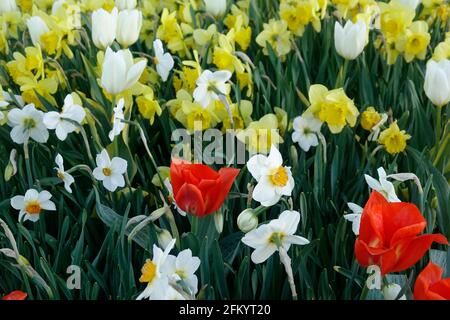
(119,71)
(430,285)
(216,8)
(389,235)
(7,6)
(129,25)
(437,82)
(104,26)
(126,4)
(198,189)
(351,39)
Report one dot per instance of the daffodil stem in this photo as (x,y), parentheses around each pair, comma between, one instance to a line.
(173,226)
(441,149)
(27,163)
(86,143)
(340,81)
(286,261)
(438,126)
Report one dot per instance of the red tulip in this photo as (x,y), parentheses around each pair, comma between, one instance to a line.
(198,189)
(15,295)
(389,235)
(430,285)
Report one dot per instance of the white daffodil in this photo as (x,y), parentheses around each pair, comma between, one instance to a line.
(267,238)
(305,132)
(110,172)
(354,217)
(374,279)
(118,125)
(65,122)
(182,268)
(169,188)
(274,180)
(26,123)
(119,72)
(163,61)
(32,204)
(382,185)
(158,287)
(210,85)
(67,178)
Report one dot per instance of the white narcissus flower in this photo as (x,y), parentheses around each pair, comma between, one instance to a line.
(126,4)
(129,23)
(110,172)
(354,217)
(163,61)
(36,27)
(274,180)
(26,123)
(32,204)
(437,82)
(382,185)
(118,125)
(169,188)
(351,39)
(391,292)
(8,6)
(119,71)
(279,232)
(216,8)
(210,85)
(104,25)
(158,287)
(183,267)
(67,178)
(63,123)
(305,132)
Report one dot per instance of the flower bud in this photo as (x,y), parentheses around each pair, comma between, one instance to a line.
(351,39)
(437,82)
(129,25)
(104,26)
(247,220)
(164,238)
(391,291)
(216,8)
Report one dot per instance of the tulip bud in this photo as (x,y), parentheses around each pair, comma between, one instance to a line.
(247,220)
(126,4)
(351,39)
(437,82)
(391,291)
(216,8)
(164,238)
(7,6)
(104,25)
(36,27)
(129,25)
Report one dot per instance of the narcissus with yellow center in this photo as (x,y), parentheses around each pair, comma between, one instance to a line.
(394,139)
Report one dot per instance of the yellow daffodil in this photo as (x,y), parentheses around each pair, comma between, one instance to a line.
(332,107)
(413,43)
(394,139)
(276,35)
(395,18)
(148,106)
(369,118)
(224,57)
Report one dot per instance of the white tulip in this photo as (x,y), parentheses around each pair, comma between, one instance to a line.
(351,39)
(7,6)
(163,61)
(104,25)
(36,27)
(119,71)
(126,4)
(437,82)
(216,8)
(129,23)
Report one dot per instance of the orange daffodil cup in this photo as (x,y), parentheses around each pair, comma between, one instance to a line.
(198,189)
(389,235)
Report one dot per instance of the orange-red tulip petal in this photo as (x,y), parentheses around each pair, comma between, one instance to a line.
(389,235)
(430,285)
(15,295)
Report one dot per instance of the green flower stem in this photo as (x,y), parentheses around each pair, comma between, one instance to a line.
(438,126)
(340,81)
(173,226)
(440,152)
(86,143)
(27,163)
